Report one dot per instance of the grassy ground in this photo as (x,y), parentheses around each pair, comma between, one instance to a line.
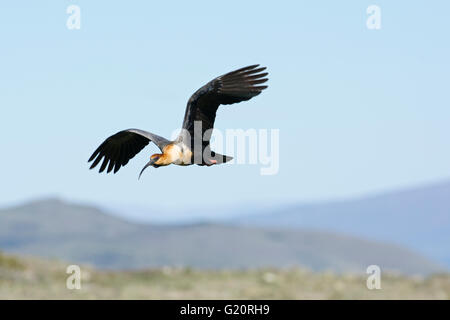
(22,278)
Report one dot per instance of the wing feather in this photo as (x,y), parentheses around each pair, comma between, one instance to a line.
(233,87)
(119,148)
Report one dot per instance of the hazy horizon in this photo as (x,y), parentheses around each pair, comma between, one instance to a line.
(172,214)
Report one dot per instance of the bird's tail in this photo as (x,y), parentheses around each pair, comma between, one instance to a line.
(220,158)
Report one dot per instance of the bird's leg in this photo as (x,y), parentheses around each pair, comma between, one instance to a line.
(211,162)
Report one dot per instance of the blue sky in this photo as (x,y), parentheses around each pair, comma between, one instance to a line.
(359,110)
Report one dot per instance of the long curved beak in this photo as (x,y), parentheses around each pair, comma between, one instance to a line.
(150,163)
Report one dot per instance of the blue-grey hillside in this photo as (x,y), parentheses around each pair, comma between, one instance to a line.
(83,234)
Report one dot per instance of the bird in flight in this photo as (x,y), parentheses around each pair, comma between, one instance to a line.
(192,144)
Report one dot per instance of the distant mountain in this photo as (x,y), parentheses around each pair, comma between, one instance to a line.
(83,234)
(417,218)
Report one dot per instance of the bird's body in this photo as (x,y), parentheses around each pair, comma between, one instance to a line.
(176,153)
(192,144)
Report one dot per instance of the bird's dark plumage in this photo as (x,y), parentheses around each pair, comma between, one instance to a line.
(233,87)
(119,148)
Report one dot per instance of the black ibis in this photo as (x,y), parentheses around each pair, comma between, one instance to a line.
(233,87)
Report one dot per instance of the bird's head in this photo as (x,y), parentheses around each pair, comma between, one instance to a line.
(153,162)
(155,157)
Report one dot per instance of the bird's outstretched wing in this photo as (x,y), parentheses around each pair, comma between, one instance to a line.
(236,86)
(119,148)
